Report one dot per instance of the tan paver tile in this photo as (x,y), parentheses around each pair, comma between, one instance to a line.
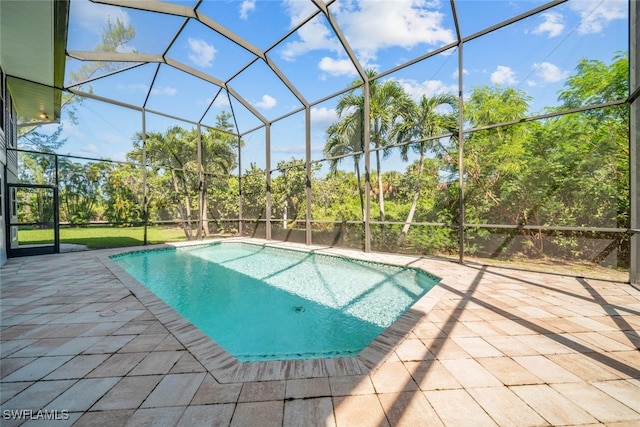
(109,344)
(143,343)
(309,412)
(83,394)
(174,389)
(505,407)
(78,367)
(351,385)
(37,395)
(159,362)
(477,347)
(457,408)
(117,365)
(409,409)
(432,375)
(41,347)
(12,364)
(361,410)
(307,387)
(597,403)
(625,391)
(270,413)
(107,418)
(37,369)
(470,373)
(128,393)
(212,392)
(508,371)
(446,349)
(412,350)
(586,366)
(207,415)
(262,391)
(552,406)
(545,369)
(156,417)
(510,346)
(393,377)
(187,363)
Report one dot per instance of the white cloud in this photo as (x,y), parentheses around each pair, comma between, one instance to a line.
(267,102)
(94,16)
(323,115)
(552,25)
(72,131)
(369,25)
(337,67)
(503,75)
(202,53)
(313,35)
(596,14)
(246,7)
(550,73)
(416,90)
(456,73)
(165,90)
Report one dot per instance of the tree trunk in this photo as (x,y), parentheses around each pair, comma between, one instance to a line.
(360,192)
(181,210)
(414,203)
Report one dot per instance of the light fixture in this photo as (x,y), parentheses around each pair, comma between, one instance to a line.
(44,115)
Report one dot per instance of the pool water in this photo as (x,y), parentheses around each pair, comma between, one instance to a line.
(264,303)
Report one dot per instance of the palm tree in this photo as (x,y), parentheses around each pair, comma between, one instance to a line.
(388,104)
(424,122)
(343,138)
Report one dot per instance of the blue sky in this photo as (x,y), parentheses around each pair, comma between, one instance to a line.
(536,55)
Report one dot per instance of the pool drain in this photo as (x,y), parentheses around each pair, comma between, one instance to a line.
(298,308)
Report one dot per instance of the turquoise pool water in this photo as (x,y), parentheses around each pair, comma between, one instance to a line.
(262,303)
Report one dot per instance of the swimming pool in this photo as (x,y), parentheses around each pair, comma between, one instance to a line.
(265,303)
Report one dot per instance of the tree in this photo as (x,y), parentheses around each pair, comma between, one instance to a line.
(388,104)
(426,120)
(345,138)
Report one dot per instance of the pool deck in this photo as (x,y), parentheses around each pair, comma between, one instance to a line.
(83,342)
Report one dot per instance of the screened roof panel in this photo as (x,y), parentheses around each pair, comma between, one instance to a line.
(130,87)
(474,16)
(317,68)
(180,94)
(205,50)
(262,88)
(384,34)
(261,23)
(543,68)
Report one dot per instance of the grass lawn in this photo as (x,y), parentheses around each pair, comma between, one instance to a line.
(103,237)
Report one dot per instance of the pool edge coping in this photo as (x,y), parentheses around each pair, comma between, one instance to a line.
(225,368)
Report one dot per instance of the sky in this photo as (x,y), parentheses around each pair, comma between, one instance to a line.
(535,55)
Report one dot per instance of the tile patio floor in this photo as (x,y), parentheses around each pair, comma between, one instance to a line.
(487,346)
